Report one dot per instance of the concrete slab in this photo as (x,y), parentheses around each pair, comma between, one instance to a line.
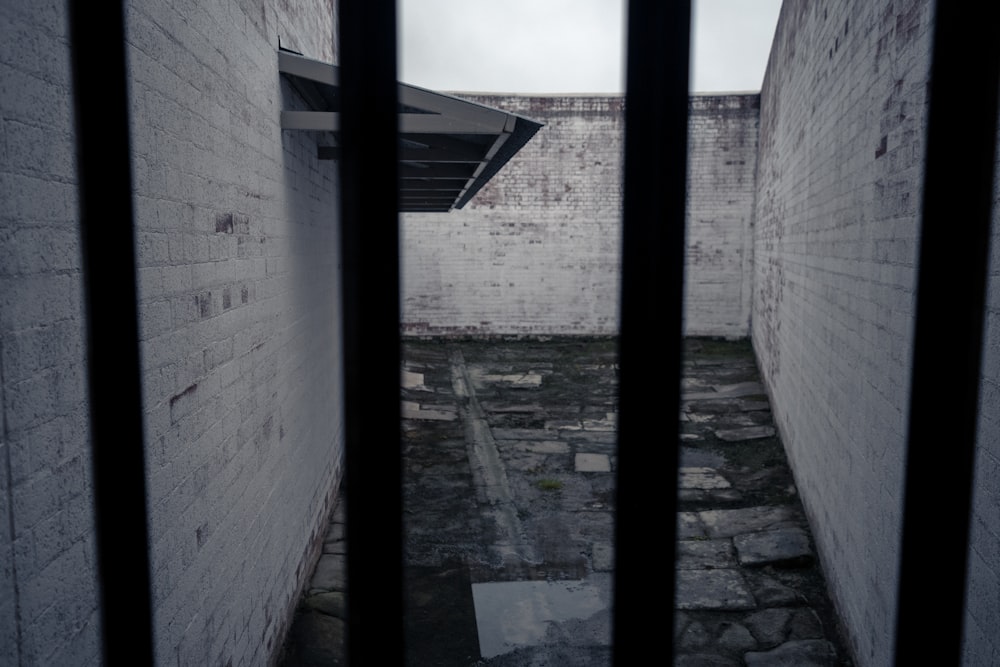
(411,380)
(592,463)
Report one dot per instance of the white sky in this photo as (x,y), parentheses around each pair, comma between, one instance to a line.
(569,46)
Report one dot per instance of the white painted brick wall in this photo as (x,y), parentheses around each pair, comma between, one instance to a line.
(722,161)
(48,599)
(839,189)
(239,298)
(240,335)
(537,250)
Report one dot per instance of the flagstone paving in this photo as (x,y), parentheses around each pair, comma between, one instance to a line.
(509,451)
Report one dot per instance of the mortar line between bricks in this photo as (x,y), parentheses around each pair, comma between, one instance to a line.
(484,459)
(10,510)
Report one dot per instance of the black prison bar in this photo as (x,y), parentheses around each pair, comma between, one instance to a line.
(104,174)
(370,251)
(947,344)
(656,109)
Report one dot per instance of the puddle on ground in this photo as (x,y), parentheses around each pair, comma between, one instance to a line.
(517,614)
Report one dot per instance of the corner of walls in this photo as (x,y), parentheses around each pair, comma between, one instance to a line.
(839,181)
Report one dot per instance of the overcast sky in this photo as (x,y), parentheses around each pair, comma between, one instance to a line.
(564,46)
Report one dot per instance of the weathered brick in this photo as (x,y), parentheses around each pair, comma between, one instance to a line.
(204,148)
(537,250)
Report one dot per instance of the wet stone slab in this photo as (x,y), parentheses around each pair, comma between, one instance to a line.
(509,502)
(329,575)
(787,547)
(592,463)
(705,554)
(720,590)
(729,523)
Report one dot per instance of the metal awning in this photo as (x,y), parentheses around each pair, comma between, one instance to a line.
(449,147)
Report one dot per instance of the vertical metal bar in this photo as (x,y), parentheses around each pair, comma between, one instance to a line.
(656,107)
(944,394)
(104,172)
(370,251)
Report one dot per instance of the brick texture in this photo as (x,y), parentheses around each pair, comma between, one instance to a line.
(240,337)
(240,334)
(48,600)
(537,250)
(722,162)
(843,114)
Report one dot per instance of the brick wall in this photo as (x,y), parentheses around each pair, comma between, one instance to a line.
(48,599)
(722,161)
(240,335)
(843,112)
(239,300)
(537,250)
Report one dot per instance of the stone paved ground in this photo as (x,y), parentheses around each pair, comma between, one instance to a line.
(509,491)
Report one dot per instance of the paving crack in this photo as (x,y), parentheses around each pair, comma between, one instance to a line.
(488,470)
